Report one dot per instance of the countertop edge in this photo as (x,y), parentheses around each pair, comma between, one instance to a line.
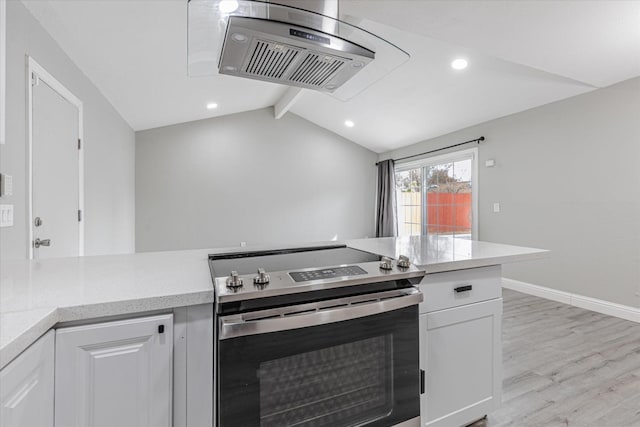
(31,334)
(441,267)
(139,305)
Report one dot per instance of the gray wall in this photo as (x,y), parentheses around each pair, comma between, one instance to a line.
(567,177)
(248,177)
(109,144)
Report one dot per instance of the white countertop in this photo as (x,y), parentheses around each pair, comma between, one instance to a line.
(436,254)
(36,295)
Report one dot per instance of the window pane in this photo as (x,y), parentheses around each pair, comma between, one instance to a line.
(449,198)
(408,197)
(445,203)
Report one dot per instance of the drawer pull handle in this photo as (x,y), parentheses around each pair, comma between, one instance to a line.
(463,288)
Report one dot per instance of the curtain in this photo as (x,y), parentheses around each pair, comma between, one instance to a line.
(386,223)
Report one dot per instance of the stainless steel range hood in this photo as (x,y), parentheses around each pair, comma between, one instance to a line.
(289,54)
(292,42)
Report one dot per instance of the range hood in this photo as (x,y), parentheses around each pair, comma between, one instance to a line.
(288,54)
(292,42)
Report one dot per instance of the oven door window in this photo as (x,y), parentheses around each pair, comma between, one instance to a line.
(363,371)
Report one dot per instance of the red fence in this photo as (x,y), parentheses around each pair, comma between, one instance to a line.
(447,212)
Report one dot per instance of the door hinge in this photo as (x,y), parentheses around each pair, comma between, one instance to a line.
(35,80)
(422,381)
(79,143)
(79,215)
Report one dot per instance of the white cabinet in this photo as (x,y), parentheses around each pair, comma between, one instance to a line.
(461,346)
(26,387)
(462,363)
(115,374)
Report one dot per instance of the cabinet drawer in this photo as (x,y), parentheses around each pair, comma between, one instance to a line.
(456,288)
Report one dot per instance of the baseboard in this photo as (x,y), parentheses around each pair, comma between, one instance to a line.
(605,307)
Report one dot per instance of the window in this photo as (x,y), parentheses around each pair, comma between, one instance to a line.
(437,195)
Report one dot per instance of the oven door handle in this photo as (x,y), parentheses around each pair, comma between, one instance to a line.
(321,313)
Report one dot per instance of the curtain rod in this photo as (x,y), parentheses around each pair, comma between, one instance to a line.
(478,140)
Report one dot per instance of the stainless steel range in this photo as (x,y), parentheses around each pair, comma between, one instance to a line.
(321,336)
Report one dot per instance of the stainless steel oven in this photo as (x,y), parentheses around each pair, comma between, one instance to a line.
(336,353)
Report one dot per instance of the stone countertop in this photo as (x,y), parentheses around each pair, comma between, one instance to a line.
(36,295)
(436,254)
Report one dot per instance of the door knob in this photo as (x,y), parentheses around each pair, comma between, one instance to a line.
(44,242)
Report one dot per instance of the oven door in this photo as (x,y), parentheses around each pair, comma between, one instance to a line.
(347,362)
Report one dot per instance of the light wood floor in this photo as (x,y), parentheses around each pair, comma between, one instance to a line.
(565,366)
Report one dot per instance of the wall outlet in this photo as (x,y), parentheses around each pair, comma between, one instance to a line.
(496,207)
(6,185)
(6,215)
(243,244)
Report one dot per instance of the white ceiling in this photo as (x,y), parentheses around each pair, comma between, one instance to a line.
(521,54)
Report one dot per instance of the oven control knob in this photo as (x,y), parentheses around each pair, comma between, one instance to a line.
(386,263)
(262,278)
(403,262)
(234,281)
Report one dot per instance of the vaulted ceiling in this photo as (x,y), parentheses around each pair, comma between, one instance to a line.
(521,54)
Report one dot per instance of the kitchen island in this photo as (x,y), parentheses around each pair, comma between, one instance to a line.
(38,295)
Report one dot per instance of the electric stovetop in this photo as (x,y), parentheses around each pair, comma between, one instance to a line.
(241,276)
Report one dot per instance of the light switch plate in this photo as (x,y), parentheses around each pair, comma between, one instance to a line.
(6,185)
(496,207)
(490,163)
(6,215)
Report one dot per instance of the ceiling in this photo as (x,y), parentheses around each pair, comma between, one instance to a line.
(521,54)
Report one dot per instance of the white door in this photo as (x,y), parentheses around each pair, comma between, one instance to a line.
(55,173)
(26,387)
(115,374)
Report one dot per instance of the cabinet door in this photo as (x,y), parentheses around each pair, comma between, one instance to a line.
(26,387)
(115,374)
(462,355)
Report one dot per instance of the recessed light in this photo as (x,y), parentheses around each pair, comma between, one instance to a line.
(239,37)
(212,105)
(459,64)
(349,123)
(228,6)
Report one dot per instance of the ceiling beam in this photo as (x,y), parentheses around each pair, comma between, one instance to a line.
(288,99)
